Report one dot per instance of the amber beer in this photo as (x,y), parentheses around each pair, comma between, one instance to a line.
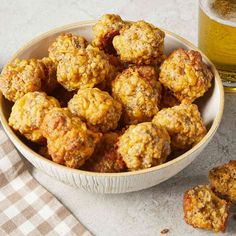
(217,37)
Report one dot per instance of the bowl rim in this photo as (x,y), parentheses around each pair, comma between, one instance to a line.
(13,137)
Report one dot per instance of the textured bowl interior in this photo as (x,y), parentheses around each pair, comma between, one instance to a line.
(211,108)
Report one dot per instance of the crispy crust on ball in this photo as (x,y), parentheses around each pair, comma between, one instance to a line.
(105,158)
(141,43)
(144,145)
(20,77)
(50,70)
(105,30)
(183,123)
(186,75)
(223,180)
(28,113)
(64,44)
(203,209)
(69,141)
(97,108)
(83,69)
(139,92)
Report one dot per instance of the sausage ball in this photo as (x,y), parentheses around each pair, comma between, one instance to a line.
(186,75)
(105,158)
(105,30)
(83,69)
(223,180)
(144,145)
(141,43)
(69,141)
(183,123)
(203,209)
(20,77)
(139,92)
(66,43)
(97,108)
(28,112)
(50,71)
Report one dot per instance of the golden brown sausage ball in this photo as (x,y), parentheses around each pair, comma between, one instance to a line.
(139,92)
(105,30)
(183,123)
(105,158)
(97,108)
(20,77)
(186,75)
(203,209)
(66,43)
(144,145)
(50,71)
(223,180)
(84,69)
(69,141)
(141,43)
(28,112)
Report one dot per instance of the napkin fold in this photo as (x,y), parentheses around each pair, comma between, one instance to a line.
(26,208)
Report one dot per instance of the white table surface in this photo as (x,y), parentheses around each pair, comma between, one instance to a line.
(145,212)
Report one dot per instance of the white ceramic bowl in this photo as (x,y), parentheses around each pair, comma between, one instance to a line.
(211,107)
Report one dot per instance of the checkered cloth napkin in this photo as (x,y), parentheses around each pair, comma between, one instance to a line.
(26,208)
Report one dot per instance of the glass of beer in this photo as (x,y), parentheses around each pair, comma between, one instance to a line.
(217,37)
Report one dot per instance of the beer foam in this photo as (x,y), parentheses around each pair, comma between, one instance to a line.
(227,19)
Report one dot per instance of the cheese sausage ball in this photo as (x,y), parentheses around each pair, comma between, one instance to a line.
(141,43)
(28,112)
(66,43)
(83,69)
(50,71)
(20,77)
(186,75)
(105,158)
(203,209)
(69,141)
(183,123)
(139,92)
(97,108)
(223,180)
(144,145)
(105,30)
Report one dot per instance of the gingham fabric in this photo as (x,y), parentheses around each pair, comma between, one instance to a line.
(26,208)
